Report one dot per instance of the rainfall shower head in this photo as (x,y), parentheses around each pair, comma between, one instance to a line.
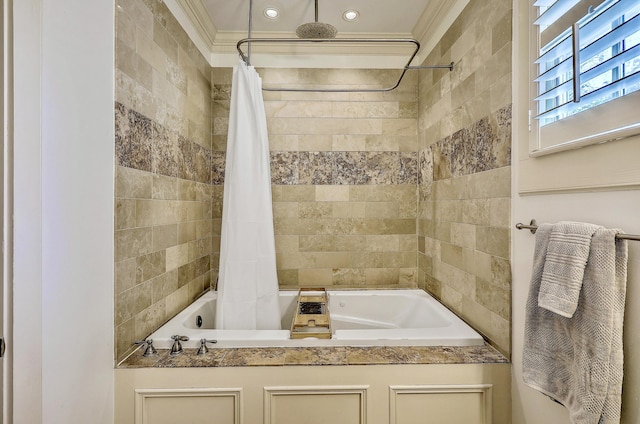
(316,29)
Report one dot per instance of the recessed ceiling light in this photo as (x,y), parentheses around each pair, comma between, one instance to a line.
(350,15)
(271,12)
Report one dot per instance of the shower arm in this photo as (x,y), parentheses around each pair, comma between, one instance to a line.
(247,59)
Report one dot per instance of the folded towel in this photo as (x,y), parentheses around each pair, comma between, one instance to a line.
(578,361)
(564,265)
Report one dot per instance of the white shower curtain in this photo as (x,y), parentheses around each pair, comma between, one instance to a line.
(248,282)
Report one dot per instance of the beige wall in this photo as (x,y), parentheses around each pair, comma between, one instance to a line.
(164,198)
(344,173)
(465,173)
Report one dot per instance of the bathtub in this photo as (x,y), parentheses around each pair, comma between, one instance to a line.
(407,317)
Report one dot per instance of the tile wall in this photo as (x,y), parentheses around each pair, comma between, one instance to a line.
(401,189)
(464,170)
(164,238)
(344,175)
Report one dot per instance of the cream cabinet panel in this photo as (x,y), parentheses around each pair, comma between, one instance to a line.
(441,404)
(315,405)
(187,406)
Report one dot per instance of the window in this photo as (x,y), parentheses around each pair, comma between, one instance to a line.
(587,72)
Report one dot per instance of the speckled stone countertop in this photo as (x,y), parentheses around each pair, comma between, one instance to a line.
(339,355)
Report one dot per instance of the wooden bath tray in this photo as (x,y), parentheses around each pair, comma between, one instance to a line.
(312,315)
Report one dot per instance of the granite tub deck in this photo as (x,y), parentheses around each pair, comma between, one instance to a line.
(322,356)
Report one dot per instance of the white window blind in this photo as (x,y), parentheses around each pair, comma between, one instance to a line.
(588,71)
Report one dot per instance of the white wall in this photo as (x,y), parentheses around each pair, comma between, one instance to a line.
(63,286)
(610,208)
(617,209)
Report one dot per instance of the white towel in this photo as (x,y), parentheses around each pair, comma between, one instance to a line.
(578,361)
(564,265)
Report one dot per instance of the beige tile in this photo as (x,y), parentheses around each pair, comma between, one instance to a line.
(324,126)
(402,260)
(408,277)
(349,277)
(463,235)
(315,277)
(133,184)
(163,285)
(283,109)
(133,242)
(164,188)
(494,241)
(177,301)
(149,319)
(287,243)
(156,212)
(501,334)
(150,266)
(125,336)
(452,255)
(348,209)
(165,236)
(476,212)
(131,302)
(149,50)
(125,216)
(125,275)
(382,276)
(500,212)
(310,210)
(331,193)
(186,232)
(349,143)
(285,209)
(362,259)
(298,193)
(382,243)
(382,210)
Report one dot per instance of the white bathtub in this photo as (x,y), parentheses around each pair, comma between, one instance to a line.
(358,318)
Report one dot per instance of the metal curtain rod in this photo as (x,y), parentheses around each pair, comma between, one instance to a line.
(533,226)
(247,59)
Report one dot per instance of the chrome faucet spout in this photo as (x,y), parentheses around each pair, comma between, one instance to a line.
(176,349)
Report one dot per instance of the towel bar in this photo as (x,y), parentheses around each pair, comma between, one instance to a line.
(533,226)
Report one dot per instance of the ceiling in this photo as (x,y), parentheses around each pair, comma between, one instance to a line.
(379,16)
(215,26)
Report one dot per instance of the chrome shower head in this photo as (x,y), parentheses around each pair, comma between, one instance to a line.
(316,29)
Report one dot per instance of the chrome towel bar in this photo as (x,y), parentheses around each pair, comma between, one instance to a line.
(533,226)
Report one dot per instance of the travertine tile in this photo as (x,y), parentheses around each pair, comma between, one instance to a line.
(125,275)
(331,193)
(163,131)
(493,240)
(131,243)
(133,184)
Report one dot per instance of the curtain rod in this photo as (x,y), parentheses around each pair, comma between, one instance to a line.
(407,67)
(533,226)
(247,58)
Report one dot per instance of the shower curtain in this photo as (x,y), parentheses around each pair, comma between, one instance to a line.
(248,282)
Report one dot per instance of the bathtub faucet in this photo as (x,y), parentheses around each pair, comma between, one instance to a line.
(176,349)
(149,350)
(203,349)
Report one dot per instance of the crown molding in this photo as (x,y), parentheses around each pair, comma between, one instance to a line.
(195,20)
(437,17)
(219,47)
